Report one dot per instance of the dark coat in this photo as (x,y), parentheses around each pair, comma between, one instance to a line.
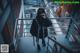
(38,25)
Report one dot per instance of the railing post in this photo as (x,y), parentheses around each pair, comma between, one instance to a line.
(68,28)
(55,47)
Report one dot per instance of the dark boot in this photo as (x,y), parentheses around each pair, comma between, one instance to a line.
(43,43)
(38,47)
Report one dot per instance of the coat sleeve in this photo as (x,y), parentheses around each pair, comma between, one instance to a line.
(47,23)
(34,28)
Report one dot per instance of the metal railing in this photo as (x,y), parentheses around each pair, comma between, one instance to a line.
(73,30)
(16,35)
(60,47)
(57,47)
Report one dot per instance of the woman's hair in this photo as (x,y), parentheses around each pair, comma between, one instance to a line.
(40,11)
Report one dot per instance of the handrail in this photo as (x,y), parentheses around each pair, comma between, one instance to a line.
(15,26)
(14,39)
(48,37)
(69,27)
(65,48)
(49,18)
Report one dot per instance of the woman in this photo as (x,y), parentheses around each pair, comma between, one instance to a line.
(39,26)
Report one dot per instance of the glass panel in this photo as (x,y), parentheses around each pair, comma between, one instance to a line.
(18,26)
(27,16)
(27,21)
(28,26)
(26,30)
(19,21)
(24,21)
(24,26)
